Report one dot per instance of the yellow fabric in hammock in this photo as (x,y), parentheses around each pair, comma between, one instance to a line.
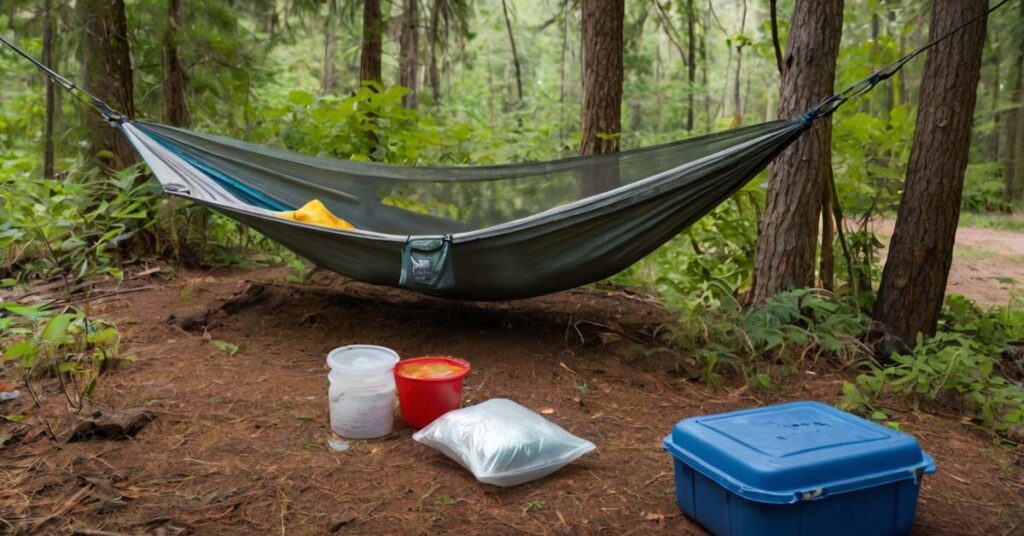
(316,213)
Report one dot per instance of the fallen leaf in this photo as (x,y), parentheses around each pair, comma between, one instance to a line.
(654,517)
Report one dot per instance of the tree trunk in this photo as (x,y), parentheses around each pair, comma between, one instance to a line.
(408,56)
(174,83)
(704,58)
(369,63)
(784,256)
(329,78)
(737,112)
(914,279)
(1013,169)
(515,53)
(601,121)
(107,73)
(433,77)
(691,61)
(51,108)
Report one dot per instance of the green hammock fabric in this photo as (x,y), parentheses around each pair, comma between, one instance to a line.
(474,233)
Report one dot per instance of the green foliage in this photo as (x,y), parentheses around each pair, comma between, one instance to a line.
(371,124)
(226,347)
(40,342)
(79,227)
(787,330)
(984,189)
(959,366)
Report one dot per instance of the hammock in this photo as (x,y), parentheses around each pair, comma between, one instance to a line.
(474,233)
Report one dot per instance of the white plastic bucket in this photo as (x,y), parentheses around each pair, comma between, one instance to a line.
(361,395)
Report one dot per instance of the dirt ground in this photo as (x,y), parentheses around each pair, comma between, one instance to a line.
(239,442)
(988,264)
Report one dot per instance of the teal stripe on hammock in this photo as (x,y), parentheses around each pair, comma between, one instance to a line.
(246,193)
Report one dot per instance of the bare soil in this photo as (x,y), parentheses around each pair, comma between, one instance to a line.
(988,264)
(239,442)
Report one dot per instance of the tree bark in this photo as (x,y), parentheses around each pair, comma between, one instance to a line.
(515,53)
(602,76)
(786,244)
(107,73)
(1013,168)
(433,77)
(408,56)
(914,278)
(369,63)
(174,83)
(704,58)
(51,97)
(691,61)
(329,78)
(737,114)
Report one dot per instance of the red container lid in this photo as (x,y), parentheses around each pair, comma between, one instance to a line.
(460,364)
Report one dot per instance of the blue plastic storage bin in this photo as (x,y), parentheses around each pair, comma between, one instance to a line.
(796,469)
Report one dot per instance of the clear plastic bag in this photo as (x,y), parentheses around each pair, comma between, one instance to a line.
(503,443)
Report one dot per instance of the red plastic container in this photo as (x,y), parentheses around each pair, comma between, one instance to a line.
(421,400)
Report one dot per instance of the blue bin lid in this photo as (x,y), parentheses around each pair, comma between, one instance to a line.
(785,453)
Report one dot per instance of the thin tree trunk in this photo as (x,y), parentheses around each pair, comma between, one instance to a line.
(174,106)
(51,109)
(691,62)
(369,62)
(737,111)
(602,76)
(433,79)
(329,80)
(564,67)
(704,59)
(515,53)
(785,252)
(107,73)
(993,137)
(408,56)
(773,14)
(913,282)
(1013,154)
(827,258)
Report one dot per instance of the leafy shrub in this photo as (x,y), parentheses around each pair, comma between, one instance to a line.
(79,227)
(984,189)
(369,125)
(786,329)
(959,366)
(67,345)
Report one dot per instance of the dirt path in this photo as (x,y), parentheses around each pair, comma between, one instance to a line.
(238,446)
(988,264)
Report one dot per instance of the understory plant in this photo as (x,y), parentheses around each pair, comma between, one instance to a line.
(960,366)
(789,331)
(64,344)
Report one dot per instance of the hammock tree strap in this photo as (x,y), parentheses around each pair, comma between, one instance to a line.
(75,90)
(831,104)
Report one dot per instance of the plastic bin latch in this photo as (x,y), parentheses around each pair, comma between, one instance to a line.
(812,495)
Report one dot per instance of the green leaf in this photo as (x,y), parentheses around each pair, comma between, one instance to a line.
(56,329)
(31,312)
(301,98)
(19,349)
(226,347)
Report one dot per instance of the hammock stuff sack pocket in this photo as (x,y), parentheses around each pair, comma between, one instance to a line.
(427,263)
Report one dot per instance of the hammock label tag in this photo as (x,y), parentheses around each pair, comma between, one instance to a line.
(427,263)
